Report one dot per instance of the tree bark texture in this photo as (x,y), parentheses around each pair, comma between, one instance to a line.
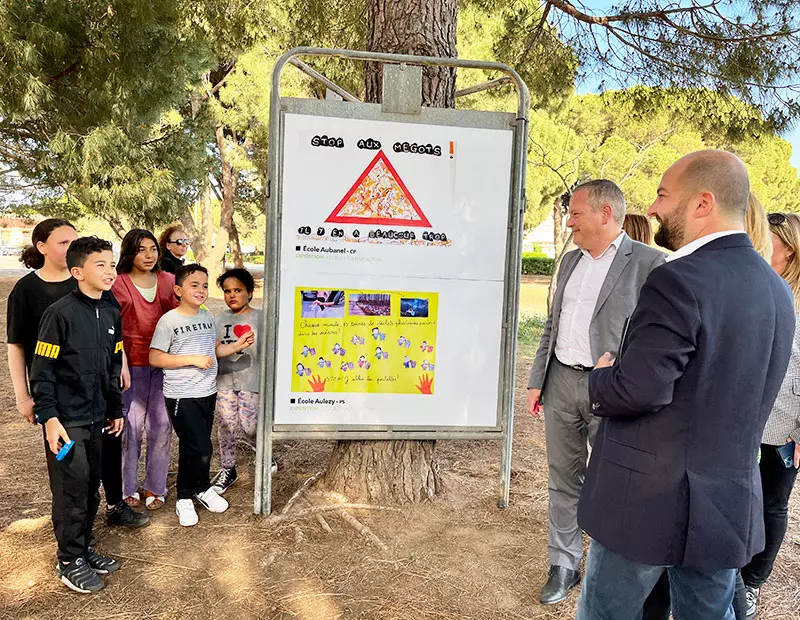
(210,239)
(400,471)
(558,226)
(199,229)
(420,28)
(384,471)
(216,254)
(236,246)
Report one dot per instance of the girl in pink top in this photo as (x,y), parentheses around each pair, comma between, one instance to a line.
(144,294)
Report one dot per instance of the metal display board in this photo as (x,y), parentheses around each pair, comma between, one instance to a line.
(392,264)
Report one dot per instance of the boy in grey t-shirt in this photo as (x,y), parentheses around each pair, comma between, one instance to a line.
(185,345)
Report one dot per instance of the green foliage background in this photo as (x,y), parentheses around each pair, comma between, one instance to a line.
(108,108)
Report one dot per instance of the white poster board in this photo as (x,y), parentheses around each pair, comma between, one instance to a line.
(393,248)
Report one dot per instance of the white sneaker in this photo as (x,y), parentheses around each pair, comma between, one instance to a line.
(212,501)
(187,515)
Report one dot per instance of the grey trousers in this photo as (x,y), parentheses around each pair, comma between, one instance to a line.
(569,425)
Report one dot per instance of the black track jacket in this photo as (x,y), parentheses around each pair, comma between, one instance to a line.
(77,363)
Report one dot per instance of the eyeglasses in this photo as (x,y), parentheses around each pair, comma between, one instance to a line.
(776,219)
(181,242)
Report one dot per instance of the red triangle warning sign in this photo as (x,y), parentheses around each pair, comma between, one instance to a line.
(379,196)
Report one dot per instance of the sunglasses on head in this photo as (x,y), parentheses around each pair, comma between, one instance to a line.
(776,219)
(181,241)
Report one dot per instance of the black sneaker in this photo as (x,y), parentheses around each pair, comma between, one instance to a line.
(100,563)
(79,576)
(122,514)
(224,479)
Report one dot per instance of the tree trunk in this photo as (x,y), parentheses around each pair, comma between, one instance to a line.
(199,227)
(116,225)
(236,246)
(558,226)
(215,257)
(381,471)
(420,28)
(400,471)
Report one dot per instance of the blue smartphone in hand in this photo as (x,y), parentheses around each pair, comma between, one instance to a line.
(786,452)
(64,450)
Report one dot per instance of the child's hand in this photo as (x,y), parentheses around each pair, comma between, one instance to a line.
(245,341)
(203,362)
(55,431)
(25,408)
(115,426)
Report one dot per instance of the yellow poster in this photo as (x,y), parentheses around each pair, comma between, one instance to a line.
(370,342)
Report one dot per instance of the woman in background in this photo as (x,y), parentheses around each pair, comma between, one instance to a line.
(638,228)
(174,245)
(782,431)
(757,228)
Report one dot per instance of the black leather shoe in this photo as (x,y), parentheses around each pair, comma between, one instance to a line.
(560,582)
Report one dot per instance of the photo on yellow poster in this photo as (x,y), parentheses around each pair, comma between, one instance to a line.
(364,341)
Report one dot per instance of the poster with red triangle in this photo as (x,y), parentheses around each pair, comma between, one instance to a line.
(379,196)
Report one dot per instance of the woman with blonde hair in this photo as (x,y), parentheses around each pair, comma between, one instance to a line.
(780,443)
(638,228)
(755,225)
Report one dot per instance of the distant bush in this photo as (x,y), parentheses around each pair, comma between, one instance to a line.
(534,264)
(530,328)
(257,259)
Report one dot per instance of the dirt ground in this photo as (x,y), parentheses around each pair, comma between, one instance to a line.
(459,557)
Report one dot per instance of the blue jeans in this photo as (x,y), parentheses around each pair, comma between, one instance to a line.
(615,588)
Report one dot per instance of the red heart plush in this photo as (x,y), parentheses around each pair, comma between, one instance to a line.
(241,330)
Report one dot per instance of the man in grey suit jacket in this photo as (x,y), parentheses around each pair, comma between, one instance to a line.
(597,290)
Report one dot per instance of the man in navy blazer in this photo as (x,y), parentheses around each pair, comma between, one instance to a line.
(673,481)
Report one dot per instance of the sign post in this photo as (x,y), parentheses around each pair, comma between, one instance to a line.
(392,267)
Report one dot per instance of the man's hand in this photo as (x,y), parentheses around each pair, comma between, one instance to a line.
(203,362)
(53,432)
(25,409)
(796,453)
(534,406)
(115,426)
(606,361)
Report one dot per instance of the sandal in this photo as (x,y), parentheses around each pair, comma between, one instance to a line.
(153,501)
(134,501)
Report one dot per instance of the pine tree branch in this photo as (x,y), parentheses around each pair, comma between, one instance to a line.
(664,15)
(71,69)
(572,11)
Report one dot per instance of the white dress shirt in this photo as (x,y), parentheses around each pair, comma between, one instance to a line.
(699,243)
(573,345)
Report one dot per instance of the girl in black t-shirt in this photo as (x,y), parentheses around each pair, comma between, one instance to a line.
(31,296)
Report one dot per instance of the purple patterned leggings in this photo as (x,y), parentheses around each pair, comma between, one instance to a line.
(235,410)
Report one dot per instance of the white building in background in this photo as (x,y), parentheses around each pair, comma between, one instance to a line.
(541,239)
(15,232)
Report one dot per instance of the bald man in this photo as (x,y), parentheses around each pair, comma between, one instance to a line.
(673,482)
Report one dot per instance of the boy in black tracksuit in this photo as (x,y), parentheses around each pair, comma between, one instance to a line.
(76,391)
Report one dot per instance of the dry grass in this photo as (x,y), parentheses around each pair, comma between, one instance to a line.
(458,558)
